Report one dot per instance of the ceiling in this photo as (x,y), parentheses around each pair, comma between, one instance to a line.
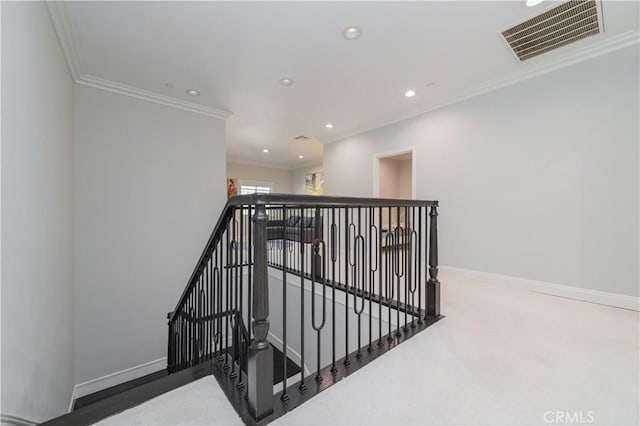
(235,53)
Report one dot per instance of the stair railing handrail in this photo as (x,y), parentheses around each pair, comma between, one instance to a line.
(290,200)
(214,239)
(242,243)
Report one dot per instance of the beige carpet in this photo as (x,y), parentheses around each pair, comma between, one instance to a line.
(502,356)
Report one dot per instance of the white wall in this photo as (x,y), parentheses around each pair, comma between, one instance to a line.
(298,177)
(278,177)
(37,217)
(150,183)
(537,180)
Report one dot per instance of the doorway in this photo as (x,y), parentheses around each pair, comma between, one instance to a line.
(394,176)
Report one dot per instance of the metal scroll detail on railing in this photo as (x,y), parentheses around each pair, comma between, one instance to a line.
(331,282)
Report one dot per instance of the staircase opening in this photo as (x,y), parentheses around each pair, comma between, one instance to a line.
(293,293)
(301,291)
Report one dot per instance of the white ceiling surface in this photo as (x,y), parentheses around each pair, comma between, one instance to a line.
(235,53)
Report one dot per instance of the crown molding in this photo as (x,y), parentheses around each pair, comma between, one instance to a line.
(63,25)
(134,92)
(65,31)
(257,163)
(307,165)
(604,46)
(310,165)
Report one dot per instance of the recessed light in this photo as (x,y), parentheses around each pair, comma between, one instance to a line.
(265,150)
(300,156)
(531,3)
(409,93)
(193,92)
(286,81)
(329,126)
(351,33)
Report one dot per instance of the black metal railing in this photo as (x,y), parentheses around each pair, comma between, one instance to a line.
(350,279)
(211,317)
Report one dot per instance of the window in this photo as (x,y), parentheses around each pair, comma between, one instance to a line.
(254,189)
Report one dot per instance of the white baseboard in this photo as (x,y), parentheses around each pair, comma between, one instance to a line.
(116,378)
(583,294)
(6,419)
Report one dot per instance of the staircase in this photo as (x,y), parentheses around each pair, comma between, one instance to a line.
(292,294)
(332,282)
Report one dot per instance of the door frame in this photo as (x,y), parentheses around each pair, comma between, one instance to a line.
(382,155)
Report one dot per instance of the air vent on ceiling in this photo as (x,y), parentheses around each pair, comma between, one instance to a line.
(557,27)
(302,138)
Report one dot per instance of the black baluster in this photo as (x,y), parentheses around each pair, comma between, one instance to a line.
(419,278)
(318,276)
(414,266)
(169,343)
(194,323)
(347,264)
(187,340)
(241,358)
(187,326)
(177,336)
(334,257)
(213,270)
(192,329)
(359,279)
(208,320)
(285,396)
(234,297)
(380,265)
(433,286)
(407,275)
(228,293)
(205,307)
(220,283)
(398,272)
(250,260)
(372,273)
(302,387)
(260,367)
(389,284)
(199,335)
(180,336)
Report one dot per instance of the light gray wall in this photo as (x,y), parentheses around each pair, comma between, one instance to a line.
(150,183)
(37,217)
(294,337)
(298,177)
(278,177)
(537,180)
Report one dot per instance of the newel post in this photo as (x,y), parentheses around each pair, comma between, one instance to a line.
(433,285)
(260,364)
